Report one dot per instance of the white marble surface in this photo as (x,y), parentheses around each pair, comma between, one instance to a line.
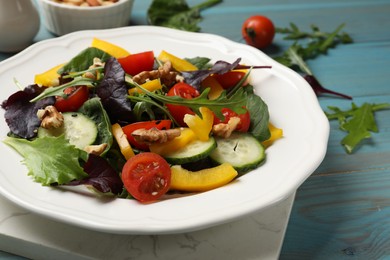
(258,236)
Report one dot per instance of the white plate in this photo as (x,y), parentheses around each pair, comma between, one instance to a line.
(292,105)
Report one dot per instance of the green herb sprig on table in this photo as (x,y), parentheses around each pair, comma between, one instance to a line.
(177,14)
(358,121)
(309,45)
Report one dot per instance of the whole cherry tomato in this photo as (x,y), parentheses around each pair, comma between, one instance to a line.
(138,62)
(258,31)
(185,91)
(146,176)
(245,119)
(76,96)
(229,79)
(130,128)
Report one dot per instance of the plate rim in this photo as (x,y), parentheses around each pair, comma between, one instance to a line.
(185,225)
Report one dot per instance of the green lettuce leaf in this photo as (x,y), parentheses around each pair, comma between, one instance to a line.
(259,123)
(50,160)
(83,60)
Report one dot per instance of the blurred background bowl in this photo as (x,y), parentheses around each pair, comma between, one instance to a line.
(61,18)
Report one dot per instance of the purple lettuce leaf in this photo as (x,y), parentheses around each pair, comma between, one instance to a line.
(319,89)
(21,114)
(194,78)
(112,91)
(101,175)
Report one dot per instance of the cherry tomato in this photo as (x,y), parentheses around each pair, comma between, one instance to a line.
(138,62)
(128,129)
(258,31)
(185,91)
(229,79)
(76,96)
(146,176)
(245,119)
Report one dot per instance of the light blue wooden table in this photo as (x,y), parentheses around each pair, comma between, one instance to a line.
(342,211)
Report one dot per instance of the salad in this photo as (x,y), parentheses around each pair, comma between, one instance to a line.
(139,125)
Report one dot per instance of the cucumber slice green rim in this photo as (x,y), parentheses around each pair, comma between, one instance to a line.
(78,129)
(192,152)
(242,150)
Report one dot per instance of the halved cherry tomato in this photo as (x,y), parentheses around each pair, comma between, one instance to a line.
(183,90)
(146,176)
(229,79)
(159,124)
(76,96)
(138,62)
(245,119)
(258,31)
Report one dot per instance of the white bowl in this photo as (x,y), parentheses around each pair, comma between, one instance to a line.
(61,19)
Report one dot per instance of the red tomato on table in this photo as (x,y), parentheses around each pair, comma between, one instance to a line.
(185,91)
(146,176)
(130,128)
(76,96)
(258,31)
(138,62)
(245,119)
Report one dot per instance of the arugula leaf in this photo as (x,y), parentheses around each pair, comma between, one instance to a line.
(235,102)
(50,160)
(294,33)
(295,58)
(358,122)
(319,43)
(59,90)
(177,14)
(145,109)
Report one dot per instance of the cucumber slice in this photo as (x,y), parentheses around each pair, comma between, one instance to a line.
(192,152)
(242,150)
(78,129)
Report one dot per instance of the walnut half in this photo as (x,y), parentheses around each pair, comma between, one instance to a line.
(50,117)
(225,130)
(165,73)
(154,135)
(96,149)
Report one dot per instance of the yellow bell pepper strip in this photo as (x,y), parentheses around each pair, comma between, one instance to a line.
(276,133)
(150,85)
(203,180)
(186,136)
(201,126)
(215,88)
(112,49)
(177,63)
(48,78)
(122,141)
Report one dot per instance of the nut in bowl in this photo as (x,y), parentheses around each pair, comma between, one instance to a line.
(65,16)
